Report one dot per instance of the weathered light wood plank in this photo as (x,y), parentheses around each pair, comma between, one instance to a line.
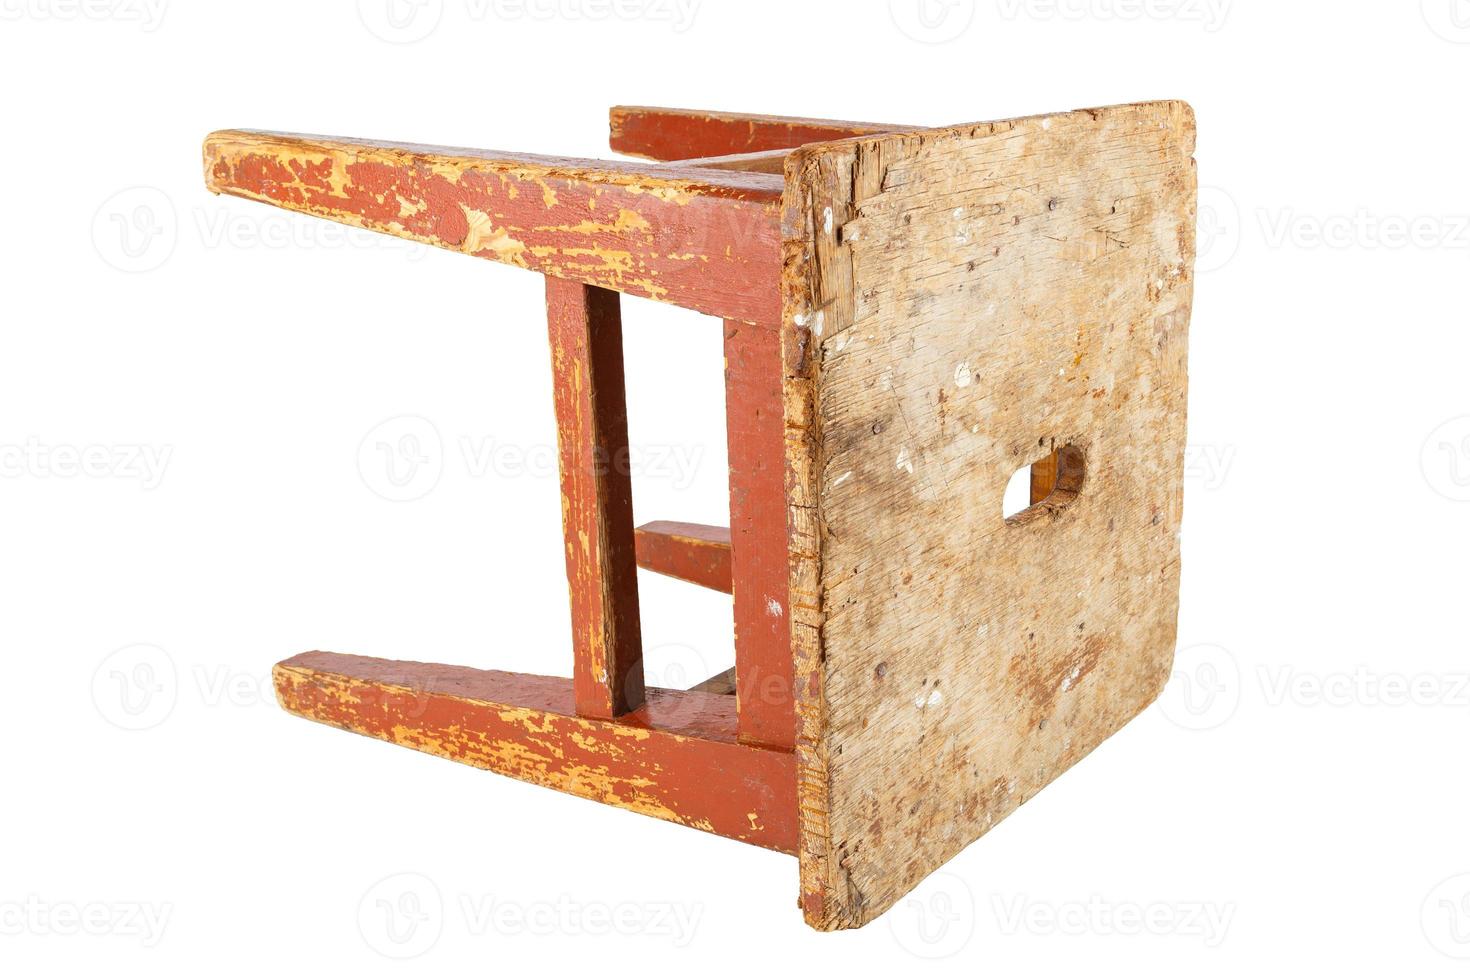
(960,303)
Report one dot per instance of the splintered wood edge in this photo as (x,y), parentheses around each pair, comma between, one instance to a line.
(815,285)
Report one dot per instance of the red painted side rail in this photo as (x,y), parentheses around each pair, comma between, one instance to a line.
(695,238)
(698,553)
(680,134)
(676,758)
(596,496)
(756,430)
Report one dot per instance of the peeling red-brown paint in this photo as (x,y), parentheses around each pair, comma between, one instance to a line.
(705,240)
(676,758)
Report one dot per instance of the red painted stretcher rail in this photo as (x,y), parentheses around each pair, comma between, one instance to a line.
(680,134)
(698,553)
(676,758)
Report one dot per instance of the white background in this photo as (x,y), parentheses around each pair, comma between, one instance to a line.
(1297,799)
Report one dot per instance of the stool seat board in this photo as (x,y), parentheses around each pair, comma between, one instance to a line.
(957,304)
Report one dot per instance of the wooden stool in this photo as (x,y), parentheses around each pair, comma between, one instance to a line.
(911,316)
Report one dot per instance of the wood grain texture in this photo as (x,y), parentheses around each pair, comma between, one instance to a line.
(696,238)
(697,553)
(679,134)
(676,758)
(586,336)
(1043,478)
(959,303)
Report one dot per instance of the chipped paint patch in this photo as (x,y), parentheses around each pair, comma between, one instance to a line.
(482,235)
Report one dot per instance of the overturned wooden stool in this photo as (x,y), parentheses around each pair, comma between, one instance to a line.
(911,316)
